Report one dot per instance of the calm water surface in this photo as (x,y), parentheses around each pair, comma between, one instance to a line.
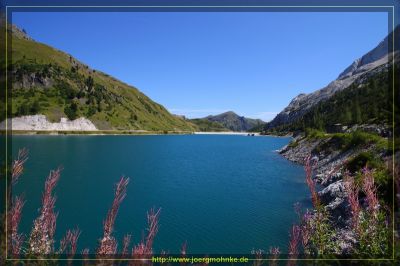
(221,194)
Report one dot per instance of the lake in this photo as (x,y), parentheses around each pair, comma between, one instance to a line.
(225,194)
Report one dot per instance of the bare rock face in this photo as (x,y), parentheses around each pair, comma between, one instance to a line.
(20,33)
(375,60)
(40,122)
(332,192)
(299,153)
(347,240)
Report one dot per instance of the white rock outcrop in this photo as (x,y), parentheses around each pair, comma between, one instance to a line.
(40,122)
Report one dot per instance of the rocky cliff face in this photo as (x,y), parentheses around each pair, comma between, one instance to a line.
(20,33)
(40,122)
(375,60)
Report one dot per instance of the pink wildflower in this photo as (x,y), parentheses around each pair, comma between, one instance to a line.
(108,244)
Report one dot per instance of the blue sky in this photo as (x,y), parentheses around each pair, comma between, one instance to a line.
(204,63)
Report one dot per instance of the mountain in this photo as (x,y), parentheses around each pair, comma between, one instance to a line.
(374,61)
(205,125)
(367,101)
(53,83)
(234,122)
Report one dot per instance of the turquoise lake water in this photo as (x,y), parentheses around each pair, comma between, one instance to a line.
(221,193)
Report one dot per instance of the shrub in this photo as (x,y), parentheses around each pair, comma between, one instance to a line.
(356,139)
(35,108)
(314,133)
(91,110)
(361,160)
(22,110)
(66,90)
(71,111)
(28,108)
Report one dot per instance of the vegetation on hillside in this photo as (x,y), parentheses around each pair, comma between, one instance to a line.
(369,102)
(234,122)
(205,125)
(50,82)
(370,150)
(370,221)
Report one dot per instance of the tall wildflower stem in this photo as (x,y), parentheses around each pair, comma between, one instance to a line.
(15,240)
(145,247)
(274,255)
(370,191)
(183,251)
(15,218)
(126,242)
(41,239)
(71,240)
(152,230)
(317,229)
(18,165)
(258,257)
(294,245)
(352,192)
(108,244)
(309,168)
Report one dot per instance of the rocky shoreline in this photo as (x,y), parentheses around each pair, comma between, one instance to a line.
(328,174)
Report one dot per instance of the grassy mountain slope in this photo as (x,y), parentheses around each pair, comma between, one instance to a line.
(208,126)
(235,122)
(53,83)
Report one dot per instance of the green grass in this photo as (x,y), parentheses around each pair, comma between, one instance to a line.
(347,141)
(357,139)
(312,133)
(367,148)
(364,159)
(208,126)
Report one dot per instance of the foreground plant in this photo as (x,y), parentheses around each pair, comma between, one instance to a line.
(15,216)
(41,240)
(108,244)
(318,234)
(145,247)
(293,245)
(70,240)
(370,224)
(315,236)
(274,255)
(15,241)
